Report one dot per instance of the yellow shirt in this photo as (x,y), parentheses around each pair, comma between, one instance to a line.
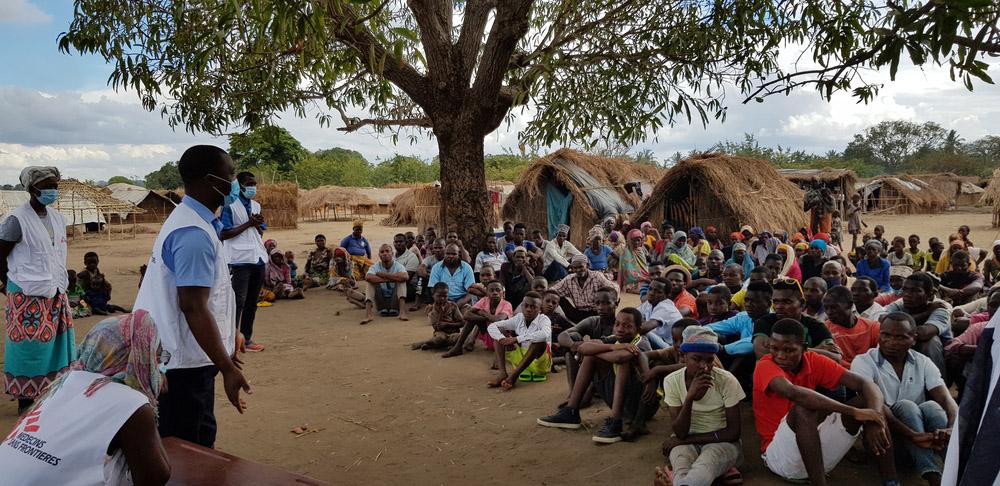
(738,298)
(708,414)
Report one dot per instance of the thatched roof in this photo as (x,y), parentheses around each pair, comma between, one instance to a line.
(402,210)
(826,175)
(385,195)
(992,195)
(587,177)
(333,196)
(750,191)
(917,192)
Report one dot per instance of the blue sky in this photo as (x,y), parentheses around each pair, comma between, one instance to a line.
(56,109)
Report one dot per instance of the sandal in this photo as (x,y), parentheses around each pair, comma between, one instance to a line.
(731,477)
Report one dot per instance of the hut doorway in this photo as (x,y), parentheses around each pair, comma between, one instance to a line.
(557,204)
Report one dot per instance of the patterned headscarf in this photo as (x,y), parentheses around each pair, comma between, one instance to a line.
(34,174)
(125,350)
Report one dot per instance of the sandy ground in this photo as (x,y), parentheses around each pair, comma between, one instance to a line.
(386,414)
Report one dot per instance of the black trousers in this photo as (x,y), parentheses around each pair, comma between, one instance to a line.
(187,409)
(247,281)
(572,313)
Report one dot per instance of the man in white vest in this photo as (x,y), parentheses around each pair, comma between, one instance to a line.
(242,225)
(188,293)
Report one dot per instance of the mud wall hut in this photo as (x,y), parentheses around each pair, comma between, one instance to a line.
(157,206)
(991,197)
(902,195)
(837,180)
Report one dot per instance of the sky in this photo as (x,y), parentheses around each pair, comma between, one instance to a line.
(57,109)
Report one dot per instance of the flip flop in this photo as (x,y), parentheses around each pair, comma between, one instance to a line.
(526,376)
(731,477)
(539,378)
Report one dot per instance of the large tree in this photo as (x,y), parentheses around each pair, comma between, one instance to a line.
(893,144)
(267,144)
(578,70)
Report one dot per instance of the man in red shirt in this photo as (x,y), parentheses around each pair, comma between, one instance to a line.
(853,334)
(798,439)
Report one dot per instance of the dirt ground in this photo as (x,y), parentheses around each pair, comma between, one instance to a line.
(389,415)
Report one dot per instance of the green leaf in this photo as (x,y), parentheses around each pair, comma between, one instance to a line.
(405,33)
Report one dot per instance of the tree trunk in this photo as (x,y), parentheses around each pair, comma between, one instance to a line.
(465,202)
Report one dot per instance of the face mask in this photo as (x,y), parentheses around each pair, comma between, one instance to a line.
(831,283)
(234,190)
(250,192)
(47,196)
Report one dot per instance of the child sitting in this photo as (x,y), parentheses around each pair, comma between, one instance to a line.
(615,366)
(525,340)
(703,401)
(293,267)
(278,278)
(98,295)
(445,318)
(717,305)
(484,312)
(75,293)
(90,262)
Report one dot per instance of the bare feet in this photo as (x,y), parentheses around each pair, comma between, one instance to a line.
(471,346)
(497,382)
(662,477)
(452,353)
(508,383)
(403,316)
(367,320)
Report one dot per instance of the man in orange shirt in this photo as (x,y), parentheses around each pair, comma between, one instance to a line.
(853,334)
(679,278)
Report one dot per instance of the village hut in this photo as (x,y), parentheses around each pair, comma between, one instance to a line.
(279,203)
(578,189)
(902,195)
(727,192)
(840,181)
(384,196)
(84,205)
(991,197)
(334,202)
(960,191)
(402,210)
(174,195)
(157,206)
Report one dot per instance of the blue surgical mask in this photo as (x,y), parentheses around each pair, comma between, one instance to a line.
(234,190)
(250,192)
(47,196)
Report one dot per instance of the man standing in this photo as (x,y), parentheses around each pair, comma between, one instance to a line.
(578,292)
(242,225)
(386,287)
(918,406)
(188,293)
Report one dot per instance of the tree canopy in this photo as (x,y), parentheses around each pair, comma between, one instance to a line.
(266,144)
(166,177)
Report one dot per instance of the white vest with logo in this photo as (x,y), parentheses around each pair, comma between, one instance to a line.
(246,247)
(65,440)
(36,264)
(158,296)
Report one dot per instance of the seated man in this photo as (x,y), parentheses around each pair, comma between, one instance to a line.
(525,340)
(712,274)
(918,406)
(385,288)
(788,301)
(540,286)
(959,352)
(717,305)
(738,355)
(451,238)
(959,285)
(853,334)
(456,273)
(659,314)
(410,261)
(445,319)
(703,402)
(813,290)
(797,443)
(490,257)
(434,256)
(593,328)
(864,291)
(579,289)
(678,279)
(614,366)
(557,255)
(932,318)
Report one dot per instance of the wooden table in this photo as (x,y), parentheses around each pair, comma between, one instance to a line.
(194,465)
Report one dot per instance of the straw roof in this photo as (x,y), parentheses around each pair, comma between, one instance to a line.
(825,175)
(992,194)
(333,196)
(385,195)
(740,189)
(921,194)
(585,176)
(402,210)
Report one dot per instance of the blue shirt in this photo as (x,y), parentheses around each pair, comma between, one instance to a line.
(880,275)
(739,325)
(227,224)
(387,288)
(458,282)
(600,260)
(356,246)
(189,252)
(526,244)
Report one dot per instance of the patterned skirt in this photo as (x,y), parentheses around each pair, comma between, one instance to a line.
(40,343)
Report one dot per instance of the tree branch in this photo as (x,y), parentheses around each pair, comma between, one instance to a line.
(477,13)
(434,20)
(356,123)
(509,27)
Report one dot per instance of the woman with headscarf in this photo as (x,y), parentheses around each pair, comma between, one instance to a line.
(741,258)
(359,249)
(698,243)
(341,272)
(955,243)
(557,255)
(96,423)
(40,339)
(278,277)
(814,259)
(790,265)
(679,253)
(633,266)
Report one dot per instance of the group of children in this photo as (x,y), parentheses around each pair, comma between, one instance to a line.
(89,291)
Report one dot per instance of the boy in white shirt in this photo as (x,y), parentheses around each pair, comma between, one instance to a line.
(524,339)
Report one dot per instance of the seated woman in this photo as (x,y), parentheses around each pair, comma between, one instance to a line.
(278,278)
(678,252)
(341,276)
(96,424)
(632,263)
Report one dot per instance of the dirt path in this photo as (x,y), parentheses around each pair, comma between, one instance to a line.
(389,415)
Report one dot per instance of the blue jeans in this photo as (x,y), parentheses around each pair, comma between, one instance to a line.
(555,272)
(926,417)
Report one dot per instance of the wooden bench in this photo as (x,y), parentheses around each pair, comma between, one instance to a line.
(194,465)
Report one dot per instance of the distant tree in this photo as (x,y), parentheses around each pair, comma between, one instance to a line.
(266,144)
(402,169)
(166,177)
(945,161)
(124,180)
(891,144)
(507,167)
(336,166)
(986,149)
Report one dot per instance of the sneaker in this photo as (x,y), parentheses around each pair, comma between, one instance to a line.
(610,433)
(565,418)
(254,348)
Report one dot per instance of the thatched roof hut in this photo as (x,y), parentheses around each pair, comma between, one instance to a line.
(583,189)
(279,203)
(402,210)
(724,191)
(320,202)
(991,197)
(902,195)
(838,180)
(962,190)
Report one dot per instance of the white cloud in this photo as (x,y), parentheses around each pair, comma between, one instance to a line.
(22,12)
